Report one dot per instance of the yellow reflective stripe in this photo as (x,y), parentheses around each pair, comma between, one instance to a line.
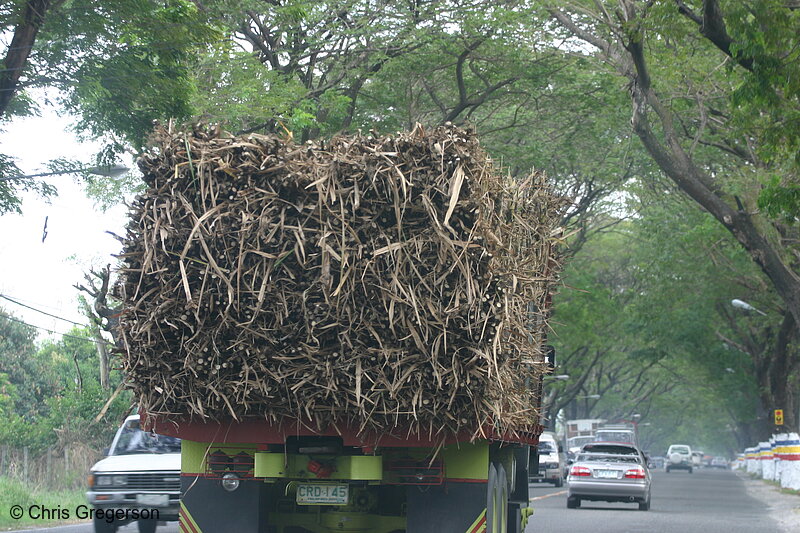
(186,522)
(787,449)
(479,525)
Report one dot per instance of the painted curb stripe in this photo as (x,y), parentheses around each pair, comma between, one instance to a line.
(479,525)
(186,522)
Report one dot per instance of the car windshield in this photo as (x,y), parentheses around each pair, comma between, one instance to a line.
(134,440)
(683,450)
(545,447)
(606,458)
(612,449)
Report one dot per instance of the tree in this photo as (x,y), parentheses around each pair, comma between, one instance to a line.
(687,122)
(116,65)
(29,375)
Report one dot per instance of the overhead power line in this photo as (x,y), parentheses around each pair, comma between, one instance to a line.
(89,339)
(13,301)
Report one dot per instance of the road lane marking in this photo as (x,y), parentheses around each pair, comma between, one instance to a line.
(547,496)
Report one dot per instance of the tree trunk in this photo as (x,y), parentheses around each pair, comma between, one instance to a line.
(19,50)
(102,352)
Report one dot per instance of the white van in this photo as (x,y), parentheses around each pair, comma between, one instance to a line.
(551,460)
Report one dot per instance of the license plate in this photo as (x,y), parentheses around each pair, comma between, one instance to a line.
(153,500)
(606,474)
(322,494)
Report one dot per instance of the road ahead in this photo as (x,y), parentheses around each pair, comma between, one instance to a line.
(707,501)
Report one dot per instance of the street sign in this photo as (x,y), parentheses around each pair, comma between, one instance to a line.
(778,417)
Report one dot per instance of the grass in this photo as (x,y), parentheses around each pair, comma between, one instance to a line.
(60,504)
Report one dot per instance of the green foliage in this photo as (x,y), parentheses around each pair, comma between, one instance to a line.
(645,297)
(116,65)
(10,201)
(14,492)
(53,389)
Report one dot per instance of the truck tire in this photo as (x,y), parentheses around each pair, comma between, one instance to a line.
(558,482)
(497,500)
(491,498)
(502,500)
(101,526)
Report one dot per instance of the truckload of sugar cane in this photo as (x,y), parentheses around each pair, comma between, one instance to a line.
(396,281)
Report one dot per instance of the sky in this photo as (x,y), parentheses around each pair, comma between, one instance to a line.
(41,274)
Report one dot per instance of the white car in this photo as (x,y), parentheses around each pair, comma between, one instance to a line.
(679,457)
(139,480)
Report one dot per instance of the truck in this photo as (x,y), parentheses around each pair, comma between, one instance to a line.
(621,431)
(580,432)
(268,323)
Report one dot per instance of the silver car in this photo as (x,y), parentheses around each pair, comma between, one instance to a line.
(611,472)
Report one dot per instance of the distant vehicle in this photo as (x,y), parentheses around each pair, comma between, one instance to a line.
(697,458)
(611,472)
(552,462)
(616,434)
(679,457)
(141,473)
(574,444)
(719,462)
(583,427)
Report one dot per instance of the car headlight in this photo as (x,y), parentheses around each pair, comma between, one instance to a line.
(120,481)
(103,481)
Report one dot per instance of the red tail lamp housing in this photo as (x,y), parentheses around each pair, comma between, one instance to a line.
(580,471)
(635,473)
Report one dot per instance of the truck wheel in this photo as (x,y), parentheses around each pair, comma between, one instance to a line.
(101,526)
(502,500)
(491,499)
(147,526)
(497,500)
(558,482)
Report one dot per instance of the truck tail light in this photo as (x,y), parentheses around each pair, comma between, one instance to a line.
(635,473)
(580,471)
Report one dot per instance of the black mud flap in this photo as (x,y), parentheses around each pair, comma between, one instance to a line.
(208,508)
(455,507)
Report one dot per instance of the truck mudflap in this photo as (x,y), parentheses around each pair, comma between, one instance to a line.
(186,523)
(479,525)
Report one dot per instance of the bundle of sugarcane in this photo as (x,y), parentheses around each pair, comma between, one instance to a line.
(377,281)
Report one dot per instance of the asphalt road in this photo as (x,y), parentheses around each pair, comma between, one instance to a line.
(707,501)
(169,527)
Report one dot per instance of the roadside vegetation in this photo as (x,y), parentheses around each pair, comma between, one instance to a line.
(14,492)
